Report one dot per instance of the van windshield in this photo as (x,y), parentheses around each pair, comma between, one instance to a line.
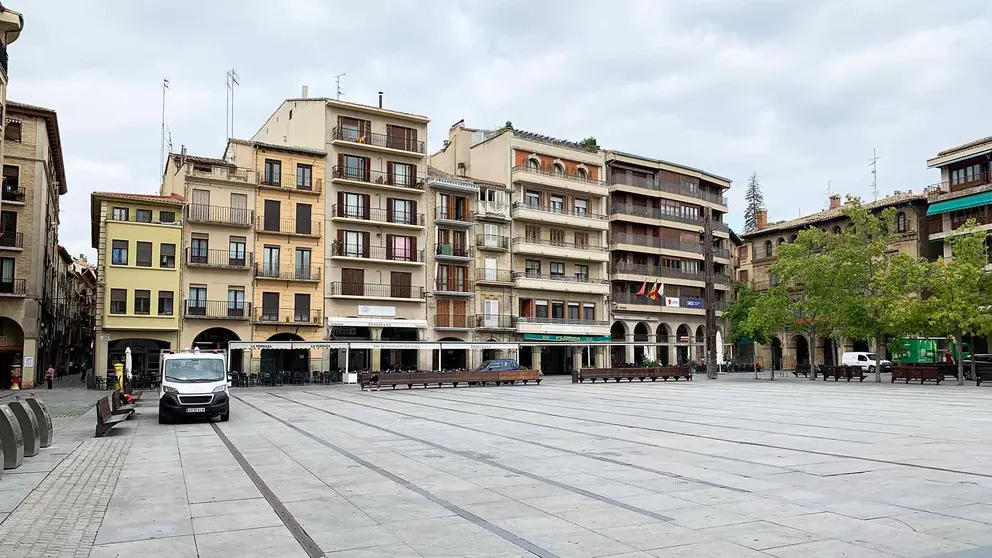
(194,370)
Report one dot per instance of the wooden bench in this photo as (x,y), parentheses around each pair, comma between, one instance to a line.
(514,376)
(105,417)
(922,373)
(803,369)
(982,374)
(470,377)
(617,374)
(838,372)
(119,408)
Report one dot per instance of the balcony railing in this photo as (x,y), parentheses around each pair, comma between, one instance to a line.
(982,215)
(11,239)
(265,271)
(652,213)
(560,211)
(493,275)
(217,309)
(451,214)
(379,140)
(936,224)
(494,321)
(234,216)
(14,287)
(680,188)
(494,209)
(454,321)
(660,271)
(218,258)
(656,242)
(563,175)
(228,173)
(397,253)
(566,321)
(292,316)
(561,244)
(958,185)
(492,241)
(376,177)
(13,193)
(290,183)
(376,214)
(631,298)
(376,290)
(562,278)
(287,226)
(452,285)
(453,250)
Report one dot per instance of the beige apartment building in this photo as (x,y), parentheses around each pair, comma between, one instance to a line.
(657,218)
(964,192)
(11,24)
(375,259)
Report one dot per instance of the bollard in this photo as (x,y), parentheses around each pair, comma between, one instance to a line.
(29,427)
(11,438)
(44,420)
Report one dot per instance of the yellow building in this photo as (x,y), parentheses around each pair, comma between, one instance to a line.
(137,237)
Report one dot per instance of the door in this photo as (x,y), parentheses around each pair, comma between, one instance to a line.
(492,235)
(458,318)
(399,284)
(197,303)
(302,263)
(301,308)
(271,217)
(270,261)
(7,275)
(200,204)
(303,224)
(270,307)
(353,282)
(490,309)
(239,209)
(236,302)
(490,269)
(8,228)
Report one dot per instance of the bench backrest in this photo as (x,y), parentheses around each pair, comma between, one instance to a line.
(103,408)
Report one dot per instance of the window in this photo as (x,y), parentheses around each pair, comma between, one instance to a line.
(742,276)
(581,173)
(167,256)
(581,240)
(236,302)
(167,216)
(7,266)
(742,253)
(118,301)
(399,137)
(557,269)
(302,263)
(401,212)
(144,256)
(768,246)
(165,303)
(532,268)
(196,305)
(793,238)
(8,224)
(353,282)
(780,241)
(836,230)
(581,207)
(533,233)
(399,284)
(581,272)
(559,170)
(142,302)
(239,209)
(532,199)
(11,181)
(270,307)
(901,222)
(354,205)
(119,214)
(198,249)
(558,310)
(540,308)
(557,204)
(301,308)
(573,310)
(12,131)
(303,214)
(143,215)
(353,129)
(304,177)
(118,254)
(354,244)
(533,165)
(589,312)
(272,212)
(270,261)
(236,252)
(400,248)
(273,172)
(557,237)
(354,168)
(401,174)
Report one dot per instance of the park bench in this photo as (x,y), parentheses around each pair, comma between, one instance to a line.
(803,369)
(514,376)
(847,372)
(470,377)
(119,408)
(105,417)
(617,374)
(982,374)
(923,373)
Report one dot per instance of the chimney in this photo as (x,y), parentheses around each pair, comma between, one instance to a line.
(835,201)
(461,169)
(380,99)
(304,92)
(761,219)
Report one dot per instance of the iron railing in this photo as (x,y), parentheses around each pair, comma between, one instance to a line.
(452,285)
(222,215)
(379,140)
(287,226)
(376,214)
(217,309)
(496,321)
(681,188)
(289,183)
(376,177)
(219,258)
(296,273)
(13,193)
(492,242)
(493,275)
(17,287)
(288,316)
(377,290)
(574,177)
(11,239)
(398,253)
(450,214)
(562,244)
(443,249)
(562,278)
(560,211)
(959,185)
(454,321)
(566,321)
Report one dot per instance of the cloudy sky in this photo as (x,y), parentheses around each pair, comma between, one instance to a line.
(798,91)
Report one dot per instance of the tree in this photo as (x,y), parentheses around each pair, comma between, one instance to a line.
(959,289)
(755,201)
(589,143)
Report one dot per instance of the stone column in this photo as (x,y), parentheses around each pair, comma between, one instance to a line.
(628,350)
(576,363)
(600,356)
(376,354)
(649,348)
(100,356)
(535,358)
(28,373)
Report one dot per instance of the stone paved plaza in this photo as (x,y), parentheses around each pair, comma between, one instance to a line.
(727,468)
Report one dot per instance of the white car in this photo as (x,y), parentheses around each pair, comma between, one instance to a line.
(865,361)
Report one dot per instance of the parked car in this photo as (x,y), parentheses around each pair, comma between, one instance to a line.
(865,361)
(499,364)
(982,361)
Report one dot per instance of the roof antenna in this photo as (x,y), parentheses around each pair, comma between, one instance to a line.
(337,80)
(161,149)
(231,81)
(874,172)
(830,190)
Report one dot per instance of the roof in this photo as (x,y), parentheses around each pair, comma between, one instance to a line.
(523,134)
(172,199)
(178,157)
(52,125)
(65,254)
(292,148)
(346,104)
(671,164)
(965,146)
(433,171)
(831,214)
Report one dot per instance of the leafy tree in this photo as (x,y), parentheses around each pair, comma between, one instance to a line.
(959,289)
(589,143)
(755,199)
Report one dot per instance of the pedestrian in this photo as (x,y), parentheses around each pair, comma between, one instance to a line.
(948,357)
(49,376)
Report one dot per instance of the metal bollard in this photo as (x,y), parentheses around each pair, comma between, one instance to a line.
(29,427)
(11,438)
(44,420)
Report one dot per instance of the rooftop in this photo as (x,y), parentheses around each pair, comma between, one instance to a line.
(179,159)
(831,214)
(52,125)
(965,146)
(523,134)
(671,164)
(432,171)
(360,106)
(292,148)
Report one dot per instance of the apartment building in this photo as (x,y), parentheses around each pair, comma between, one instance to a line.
(376,223)
(137,238)
(81,289)
(964,192)
(658,212)
(218,249)
(557,251)
(11,24)
(33,183)
(760,251)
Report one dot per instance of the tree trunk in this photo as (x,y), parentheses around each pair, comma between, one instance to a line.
(754,358)
(811,350)
(879,347)
(958,341)
(974,375)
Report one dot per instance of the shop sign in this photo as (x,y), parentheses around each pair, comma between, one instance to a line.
(567,338)
(672,301)
(693,303)
(377,311)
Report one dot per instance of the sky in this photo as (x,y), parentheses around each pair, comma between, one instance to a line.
(800,92)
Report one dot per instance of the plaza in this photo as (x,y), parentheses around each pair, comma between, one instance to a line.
(727,468)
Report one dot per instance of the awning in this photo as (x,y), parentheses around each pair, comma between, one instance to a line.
(966,202)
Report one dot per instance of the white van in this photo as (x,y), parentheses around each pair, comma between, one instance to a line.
(865,361)
(194,384)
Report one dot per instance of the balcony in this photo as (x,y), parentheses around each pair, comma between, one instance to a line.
(629,301)
(455,252)
(352,136)
(13,193)
(641,270)
(560,215)
(492,242)
(290,184)
(377,179)
(398,254)
(573,182)
(664,244)
(561,283)
(558,249)
(376,291)
(494,321)
(222,259)
(216,310)
(493,210)
(11,240)
(679,188)
(453,321)
(453,218)
(220,215)
(376,215)
(287,226)
(561,326)
(248,176)
(305,274)
(13,287)
(288,316)
(935,225)
(493,276)
(960,185)
(453,287)
(652,213)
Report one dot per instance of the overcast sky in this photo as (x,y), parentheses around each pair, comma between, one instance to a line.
(799,91)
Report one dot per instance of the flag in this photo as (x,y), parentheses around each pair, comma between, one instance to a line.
(653,295)
(644,288)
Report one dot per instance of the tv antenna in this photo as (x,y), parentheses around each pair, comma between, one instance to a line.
(231,81)
(830,191)
(161,149)
(873,164)
(337,80)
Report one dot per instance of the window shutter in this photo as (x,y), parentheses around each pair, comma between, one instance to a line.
(413,174)
(368,169)
(365,244)
(340,212)
(389,210)
(340,247)
(340,170)
(389,173)
(413,249)
(366,201)
(389,246)
(414,219)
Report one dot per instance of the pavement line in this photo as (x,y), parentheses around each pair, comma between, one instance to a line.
(465,514)
(493,463)
(300,534)
(719,439)
(538,444)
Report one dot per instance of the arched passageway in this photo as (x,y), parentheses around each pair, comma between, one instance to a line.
(641,332)
(618,333)
(276,361)
(216,339)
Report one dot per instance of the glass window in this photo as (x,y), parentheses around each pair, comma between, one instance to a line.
(558,310)
(557,204)
(589,312)
(236,301)
(901,222)
(581,207)
(165,303)
(533,165)
(573,310)
(270,261)
(581,240)
(557,269)
(354,206)
(403,248)
(533,233)
(557,237)
(304,212)
(12,131)
(167,216)
(304,180)
(402,174)
(12,181)
(581,173)
(541,308)
(533,268)
(143,215)
(236,252)
(403,212)
(118,254)
(301,307)
(559,170)
(354,244)
(194,370)
(119,214)
(354,167)
(167,256)
(142,302)
(302,262)
(198,250)
(768,247)
(7,266)
(533,199)
(118,301)
(273,172)
(581,272)
(144,256)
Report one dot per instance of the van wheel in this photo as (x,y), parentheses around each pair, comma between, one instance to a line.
(871,369)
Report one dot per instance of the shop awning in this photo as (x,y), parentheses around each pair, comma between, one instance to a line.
(974,200)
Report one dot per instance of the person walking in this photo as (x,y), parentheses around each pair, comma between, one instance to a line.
(49,376)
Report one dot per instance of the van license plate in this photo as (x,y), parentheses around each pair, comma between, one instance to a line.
(196,409)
